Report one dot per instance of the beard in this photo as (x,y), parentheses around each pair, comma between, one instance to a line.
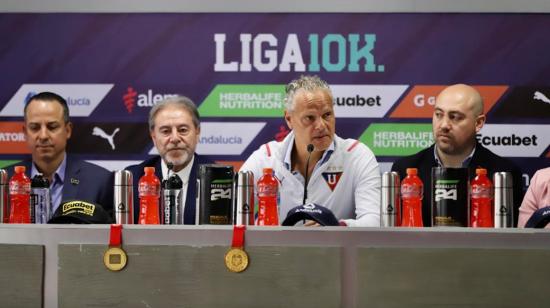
(180,157)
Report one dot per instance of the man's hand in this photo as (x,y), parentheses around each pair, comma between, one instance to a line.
(311,223)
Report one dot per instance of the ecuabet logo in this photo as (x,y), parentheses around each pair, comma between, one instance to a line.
(528,140)
(365,101)
(82,99)
(131,98)
(12,138)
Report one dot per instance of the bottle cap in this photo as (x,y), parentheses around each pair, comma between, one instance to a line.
(481,171)
(149,170)
(20,169)
(268,170)
(412,171)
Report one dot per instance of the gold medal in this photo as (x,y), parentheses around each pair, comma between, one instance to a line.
(115,259)
(236,260)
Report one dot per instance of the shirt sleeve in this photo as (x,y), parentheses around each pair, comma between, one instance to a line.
(367,191)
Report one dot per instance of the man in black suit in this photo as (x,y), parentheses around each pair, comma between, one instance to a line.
(47,128)
(174,126)
(458,116)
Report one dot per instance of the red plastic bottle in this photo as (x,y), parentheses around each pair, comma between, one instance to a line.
(149,194)
(20,197)
(268,212)
(481,200)
(411,196)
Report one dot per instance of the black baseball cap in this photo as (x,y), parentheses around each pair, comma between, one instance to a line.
(80,212)
(539,219)
(311,211)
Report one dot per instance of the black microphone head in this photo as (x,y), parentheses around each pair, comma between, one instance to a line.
(310,148)
(170,165)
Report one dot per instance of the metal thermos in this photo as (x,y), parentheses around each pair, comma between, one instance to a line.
(41,202)
(390,203)
(244,198)
(214,195)
(171,205)
(4,206)
(504,200)
(124,197)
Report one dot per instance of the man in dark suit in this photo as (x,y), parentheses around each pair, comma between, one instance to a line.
(47,128)
(174,126)
(458,116)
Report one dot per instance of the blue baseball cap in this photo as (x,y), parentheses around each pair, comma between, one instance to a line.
(539,219)
(311,211)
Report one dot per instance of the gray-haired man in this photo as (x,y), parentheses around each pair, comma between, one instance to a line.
(344,174)
(174,126)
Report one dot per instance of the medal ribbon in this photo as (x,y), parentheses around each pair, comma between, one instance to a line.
(115,238)
(238,236)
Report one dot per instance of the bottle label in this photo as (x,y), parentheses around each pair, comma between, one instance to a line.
(411,191)
(20,188)
(267,190)
(146,189)
(481,192)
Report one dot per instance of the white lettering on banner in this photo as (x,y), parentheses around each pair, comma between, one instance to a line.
(365,101)
(82,99)
(420,100)
(347,52)
(12,137)
(515,140)
(149,99)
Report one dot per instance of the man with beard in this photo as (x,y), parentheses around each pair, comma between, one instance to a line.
(458,116)
(174,125)
(344,174)
(47,129)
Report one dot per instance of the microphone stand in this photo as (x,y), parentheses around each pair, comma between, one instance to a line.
(310,148)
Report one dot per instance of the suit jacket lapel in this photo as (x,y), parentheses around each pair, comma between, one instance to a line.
(189,214)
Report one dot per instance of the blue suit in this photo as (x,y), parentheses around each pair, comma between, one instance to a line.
(83,181)
(137,172)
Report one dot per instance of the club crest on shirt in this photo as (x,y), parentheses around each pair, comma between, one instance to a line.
(332,179)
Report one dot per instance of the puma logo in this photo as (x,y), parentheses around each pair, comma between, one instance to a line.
(541,97)
(100,133)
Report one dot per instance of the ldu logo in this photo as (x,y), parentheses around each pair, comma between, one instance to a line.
(220,193)
(445,194)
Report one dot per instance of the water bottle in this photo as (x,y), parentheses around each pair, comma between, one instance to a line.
(123,197)
(504,200)
(149,194)
(390,204)
(268,187)
(20,197)
(4,193)
(481,192)
(41,202)
(411,196)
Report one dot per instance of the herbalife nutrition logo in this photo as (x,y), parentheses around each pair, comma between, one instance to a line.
(392,139)
(244,101)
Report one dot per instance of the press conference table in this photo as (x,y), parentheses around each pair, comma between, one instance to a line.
(183,266)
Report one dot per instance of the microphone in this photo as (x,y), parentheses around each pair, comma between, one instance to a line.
(310,148)
(170,166)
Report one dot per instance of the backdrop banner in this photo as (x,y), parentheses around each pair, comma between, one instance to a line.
(385,71)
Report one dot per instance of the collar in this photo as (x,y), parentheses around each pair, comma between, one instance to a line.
(59,174)
(290,145)
(465,162)
(183,173)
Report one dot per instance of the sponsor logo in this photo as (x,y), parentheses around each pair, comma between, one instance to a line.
(146,99)
(332,179)
(420,101)
(446,190)
(97,131)
(541,97)
(112,138)
(82,99)
(365,101)
(244,101)
(12,138)
(266,52)
(529,140)
(282,133)
(397,139)
(227,138)
(525,102)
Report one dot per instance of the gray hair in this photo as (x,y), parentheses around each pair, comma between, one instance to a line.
(177,100)
(307,83)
